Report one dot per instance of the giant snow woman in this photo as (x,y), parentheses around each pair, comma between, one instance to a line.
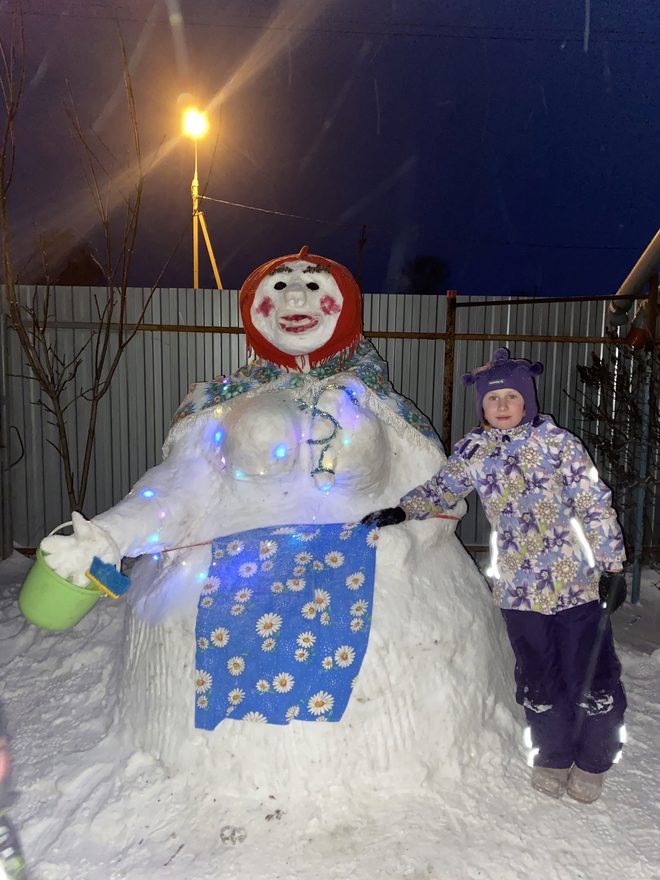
(261,607)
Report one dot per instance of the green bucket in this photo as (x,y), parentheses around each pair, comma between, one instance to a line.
(52,602)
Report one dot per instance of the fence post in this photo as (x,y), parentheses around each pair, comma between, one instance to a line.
(651,312)
(448,387)
(6,536)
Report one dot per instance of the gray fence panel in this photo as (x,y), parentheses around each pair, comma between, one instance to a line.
(159,366)
(416,366)
(152,378)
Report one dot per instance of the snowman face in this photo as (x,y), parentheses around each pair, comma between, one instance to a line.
(297,306)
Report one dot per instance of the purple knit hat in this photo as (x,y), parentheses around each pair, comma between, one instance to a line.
(506,372)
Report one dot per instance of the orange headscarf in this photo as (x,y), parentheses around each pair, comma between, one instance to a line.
(346,335)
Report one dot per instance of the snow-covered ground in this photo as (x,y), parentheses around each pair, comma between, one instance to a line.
(89,805)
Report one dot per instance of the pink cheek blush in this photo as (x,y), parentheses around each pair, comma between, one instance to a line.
(329,305)
(265,307)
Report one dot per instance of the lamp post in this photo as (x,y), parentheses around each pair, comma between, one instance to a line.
(195,126)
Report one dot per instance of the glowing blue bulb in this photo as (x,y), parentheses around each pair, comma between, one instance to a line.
(156,556)
(153,538)
(346,440)
(147,493)
(326,488)
(201,576)
(280,451)
(218,437)
(239,474)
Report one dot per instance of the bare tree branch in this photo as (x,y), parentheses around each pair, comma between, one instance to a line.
(31,316)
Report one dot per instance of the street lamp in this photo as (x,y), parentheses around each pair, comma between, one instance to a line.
(195,126)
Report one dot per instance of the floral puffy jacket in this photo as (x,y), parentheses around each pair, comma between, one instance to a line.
(553,527)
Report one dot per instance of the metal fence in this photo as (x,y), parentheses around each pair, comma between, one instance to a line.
(192,335)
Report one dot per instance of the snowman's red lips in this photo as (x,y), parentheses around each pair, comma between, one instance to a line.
(297,322)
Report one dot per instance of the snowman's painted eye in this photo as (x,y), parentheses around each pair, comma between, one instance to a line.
(312,286)
(280,285)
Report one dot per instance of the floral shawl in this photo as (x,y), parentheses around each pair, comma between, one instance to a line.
(365,364)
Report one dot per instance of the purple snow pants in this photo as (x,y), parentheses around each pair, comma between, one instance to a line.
(567,680)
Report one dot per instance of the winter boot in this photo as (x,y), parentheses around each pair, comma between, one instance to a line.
(585,787)
(550,780)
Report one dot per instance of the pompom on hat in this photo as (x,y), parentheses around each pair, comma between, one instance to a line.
(503,371)
(347,333)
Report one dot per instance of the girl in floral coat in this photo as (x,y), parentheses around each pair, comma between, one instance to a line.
(556,550)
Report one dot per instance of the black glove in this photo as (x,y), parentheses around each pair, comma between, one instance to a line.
(389,516)
(612,590)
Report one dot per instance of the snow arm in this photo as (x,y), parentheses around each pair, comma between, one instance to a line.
(162,504)
(151,516)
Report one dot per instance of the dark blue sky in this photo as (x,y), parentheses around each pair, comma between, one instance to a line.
(517,140)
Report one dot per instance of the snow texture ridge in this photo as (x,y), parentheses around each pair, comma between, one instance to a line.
(92,805)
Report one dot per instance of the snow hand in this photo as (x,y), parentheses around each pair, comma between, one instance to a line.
(70,555)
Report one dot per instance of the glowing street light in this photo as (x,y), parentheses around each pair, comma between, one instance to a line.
(195,125)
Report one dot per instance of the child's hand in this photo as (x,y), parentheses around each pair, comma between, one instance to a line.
(5,762)
(389,516)
(612,590)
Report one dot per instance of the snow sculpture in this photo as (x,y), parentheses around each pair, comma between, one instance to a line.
(309,431)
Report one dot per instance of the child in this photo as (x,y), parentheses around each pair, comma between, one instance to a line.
(556,548)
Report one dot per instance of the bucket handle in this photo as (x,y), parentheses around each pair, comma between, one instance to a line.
(62,526)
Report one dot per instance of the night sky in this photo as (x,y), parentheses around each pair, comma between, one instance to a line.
(516,140)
